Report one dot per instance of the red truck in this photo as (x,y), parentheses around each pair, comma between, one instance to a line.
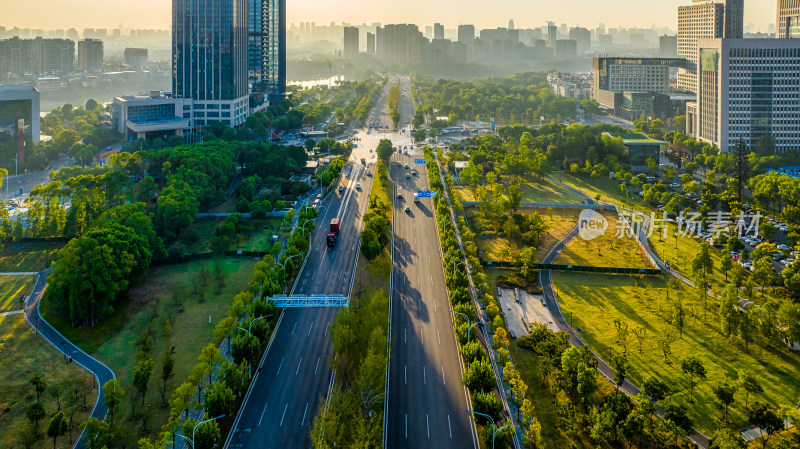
(333,235)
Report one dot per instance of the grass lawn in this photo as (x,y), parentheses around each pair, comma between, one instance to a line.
(606,250)
(197,239)
(152,303)
(497,247)
(539,191)
(607,188)
(527,364)
(12,288)
(596,301)
(681,251)
(28,257)
(23,354)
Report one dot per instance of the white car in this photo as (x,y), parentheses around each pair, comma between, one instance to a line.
(784,247)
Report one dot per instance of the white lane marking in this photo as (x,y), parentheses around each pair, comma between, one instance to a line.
(406,425)
(424,376)
(421,334)
(405,375)
(438,337)
(298,366)
(295,327)
(284,414)
(304,415)
(315,368)
(405,337)
(428,425)
(262,414)
(443,378)
(450,426)
(279,367)
(435,309)
(312,327)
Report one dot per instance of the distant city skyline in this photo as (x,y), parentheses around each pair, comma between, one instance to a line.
(56,14)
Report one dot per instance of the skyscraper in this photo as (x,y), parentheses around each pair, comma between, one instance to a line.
(466,34)
(788,23)
(209,58)
(438,31)
(90,54)
(350,43)
(582,36)
(266,48)
(552,34)
(668,46)
(370,43)
(705,19)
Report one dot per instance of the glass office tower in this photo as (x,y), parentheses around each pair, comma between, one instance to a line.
(266,27)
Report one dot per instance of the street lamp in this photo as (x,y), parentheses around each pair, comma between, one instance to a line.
(251,324)
(288,259)
(195,429)
(469,323)
(495,430)
(454,261)
(303,227)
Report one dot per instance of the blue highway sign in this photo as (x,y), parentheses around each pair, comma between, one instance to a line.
(419,161)
(426,194)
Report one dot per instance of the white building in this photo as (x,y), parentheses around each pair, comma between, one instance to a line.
(151,116)
(706,19)
(19,103)
(747,89)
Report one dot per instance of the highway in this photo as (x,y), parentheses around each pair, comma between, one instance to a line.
(294,375)
(426,399)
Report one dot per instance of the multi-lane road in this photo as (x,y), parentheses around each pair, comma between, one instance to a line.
(426,399)
(294,376)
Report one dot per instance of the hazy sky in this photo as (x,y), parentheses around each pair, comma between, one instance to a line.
(49,14)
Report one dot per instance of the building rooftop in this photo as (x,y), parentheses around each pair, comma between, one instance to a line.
(637,138)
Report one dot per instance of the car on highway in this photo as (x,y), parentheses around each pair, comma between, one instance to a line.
(358,186)
(406,166)
(341,189)
(408,176)
(408,210)
(399,196)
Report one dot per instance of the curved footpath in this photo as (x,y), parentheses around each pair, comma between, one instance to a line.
(101,372)
(546,282)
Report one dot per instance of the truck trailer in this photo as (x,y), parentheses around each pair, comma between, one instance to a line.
(333,236)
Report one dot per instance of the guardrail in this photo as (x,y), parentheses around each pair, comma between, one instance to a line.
(584,269)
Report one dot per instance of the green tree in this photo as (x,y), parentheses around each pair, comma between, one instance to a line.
(766,420)
(385,150)
(39,384)
(678,316)
(113,393)
(479,376)
(141,376)
(619,363)
(727,439)
(694,370)
(728,314)
(167,368)
(655,389)
(514,197)
(750,384)
(725,395)
(35,413)
(56,427)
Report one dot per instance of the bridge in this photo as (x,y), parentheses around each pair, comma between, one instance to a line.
(303,301)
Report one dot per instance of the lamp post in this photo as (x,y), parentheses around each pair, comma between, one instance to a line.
(495,430)
(251,324)
(195,429)
(469,322)
(284,264)
(454,261)
(303,227)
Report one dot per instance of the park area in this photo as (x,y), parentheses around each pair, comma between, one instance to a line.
(12,288)
(168,293)
(496,246)
(24,354)
(603,189)
(539,191)
(598,305)
(200,236)
(608,250)
(28,257)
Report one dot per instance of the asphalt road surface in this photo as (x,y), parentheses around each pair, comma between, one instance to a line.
(426,398)
(294,377)
(101,372)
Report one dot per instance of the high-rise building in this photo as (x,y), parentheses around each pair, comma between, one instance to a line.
(90,54)
(705,19)
(266,50)
(566,49)
(135,57)
(510,24)
(209,57)
(438,31)
(747,89)
(350,43)
(466,34)
(400,44)
(53,56)
(788,23)
(370,43)
(552,34)
(668,46)
(19,115)
(583,37)
(631,87)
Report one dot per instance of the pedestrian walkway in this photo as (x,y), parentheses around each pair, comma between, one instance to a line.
(101,372)
(13,312)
